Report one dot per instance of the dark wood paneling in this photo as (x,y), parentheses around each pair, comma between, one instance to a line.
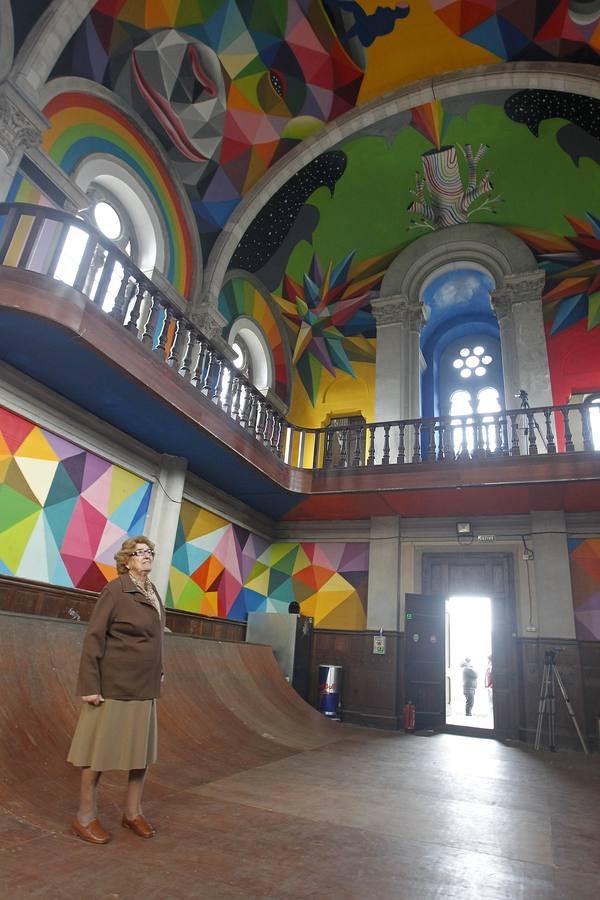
(19,595)
(206,626)
(581,681)
(589,654)
(370,687)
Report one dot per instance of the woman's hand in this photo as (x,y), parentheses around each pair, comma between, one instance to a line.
(93,699)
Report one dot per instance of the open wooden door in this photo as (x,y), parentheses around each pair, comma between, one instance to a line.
(425,655)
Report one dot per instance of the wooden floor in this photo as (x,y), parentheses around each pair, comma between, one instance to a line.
(256,796)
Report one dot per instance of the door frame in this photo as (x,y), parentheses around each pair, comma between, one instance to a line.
(504,626)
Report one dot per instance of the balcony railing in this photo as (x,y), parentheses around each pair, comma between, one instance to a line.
(34,238)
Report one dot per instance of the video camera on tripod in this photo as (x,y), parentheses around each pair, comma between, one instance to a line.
(523,396)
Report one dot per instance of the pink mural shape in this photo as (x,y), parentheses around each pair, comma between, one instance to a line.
(98,492)
(229,588)
(227,551)
(111,540)
(84,531)
(328,555)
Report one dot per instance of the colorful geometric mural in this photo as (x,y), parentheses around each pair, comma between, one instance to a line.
(585,582)
(227,86)
(221,569)
(83,124)
(240,297)
(63,510)
(540,30)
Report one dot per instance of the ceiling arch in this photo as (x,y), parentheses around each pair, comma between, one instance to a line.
(562,77)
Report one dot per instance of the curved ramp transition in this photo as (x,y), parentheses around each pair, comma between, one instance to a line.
(225,708)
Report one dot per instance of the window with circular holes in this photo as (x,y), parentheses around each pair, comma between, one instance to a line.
(470,381)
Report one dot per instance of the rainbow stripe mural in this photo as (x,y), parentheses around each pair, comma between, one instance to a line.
(239,297)
(63,510)
(221,569)
(82,124)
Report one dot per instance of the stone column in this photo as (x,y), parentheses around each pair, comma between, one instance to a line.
(518,307)
(21,127)
(384,573)
(398,364)
(554,599)
(163,517)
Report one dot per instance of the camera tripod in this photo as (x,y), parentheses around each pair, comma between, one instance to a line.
(523,396)
(548,703)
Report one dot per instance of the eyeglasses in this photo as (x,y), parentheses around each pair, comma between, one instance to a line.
(146,552)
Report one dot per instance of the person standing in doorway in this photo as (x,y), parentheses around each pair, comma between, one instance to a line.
(469,684)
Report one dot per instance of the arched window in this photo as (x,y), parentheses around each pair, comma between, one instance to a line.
(112,220)
(460,340)
(253,354)
(470,379)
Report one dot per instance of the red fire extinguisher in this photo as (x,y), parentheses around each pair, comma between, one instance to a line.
(409,716)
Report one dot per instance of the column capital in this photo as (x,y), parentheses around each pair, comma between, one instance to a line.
(21,123)
(523,287)
(209,320)
(399,309)
(389,310)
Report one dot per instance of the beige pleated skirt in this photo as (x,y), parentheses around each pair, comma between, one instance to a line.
(118,734)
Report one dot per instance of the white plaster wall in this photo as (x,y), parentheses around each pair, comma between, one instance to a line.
(384,570)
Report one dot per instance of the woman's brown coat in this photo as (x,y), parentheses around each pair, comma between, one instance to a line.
(121,657)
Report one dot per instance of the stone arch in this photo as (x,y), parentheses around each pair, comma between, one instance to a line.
(493,249)
(6,38)
(516,301)
(46,41)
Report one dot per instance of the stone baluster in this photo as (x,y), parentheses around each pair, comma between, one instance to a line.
(161,342)
(178,339)
(569,445)
(198,368)
(217,379)
(186,362)
(135,312)
(371,454)
(550,442)
(151,324)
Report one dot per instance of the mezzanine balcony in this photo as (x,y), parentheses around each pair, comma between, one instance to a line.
(117,330)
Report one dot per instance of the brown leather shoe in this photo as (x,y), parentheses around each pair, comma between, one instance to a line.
(93,832)
(139,825)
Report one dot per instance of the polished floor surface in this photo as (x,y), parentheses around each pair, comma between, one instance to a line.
(369,816)
(256,795)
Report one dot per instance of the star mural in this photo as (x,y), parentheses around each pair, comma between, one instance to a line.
(572,266)
(329,318)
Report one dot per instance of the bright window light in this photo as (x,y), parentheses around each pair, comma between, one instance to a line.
(107,220)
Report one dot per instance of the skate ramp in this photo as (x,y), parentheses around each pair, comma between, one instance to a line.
(225,708)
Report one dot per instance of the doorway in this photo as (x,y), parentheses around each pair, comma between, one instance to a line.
(475,575)
(468,644)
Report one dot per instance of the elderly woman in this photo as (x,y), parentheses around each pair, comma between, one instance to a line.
(120,675)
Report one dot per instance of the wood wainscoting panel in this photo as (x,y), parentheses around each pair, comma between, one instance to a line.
(370,688)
